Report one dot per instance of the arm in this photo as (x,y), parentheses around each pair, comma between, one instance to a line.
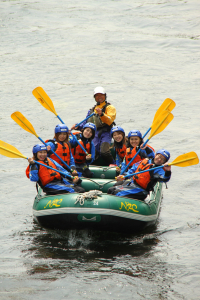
(92,154)
(109,116)
(33,175)
(162,174)
(147,152)
(53,147)
(72,162)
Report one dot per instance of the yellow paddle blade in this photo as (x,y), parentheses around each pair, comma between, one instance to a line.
(161,123)
(10,151)
(168,105)
(185,160)
(23,122)
(44,99)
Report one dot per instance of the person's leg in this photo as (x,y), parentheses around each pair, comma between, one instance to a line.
(79,189)
(58,187)
(105,148)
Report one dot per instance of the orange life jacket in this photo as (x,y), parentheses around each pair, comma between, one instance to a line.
(121,151)
(130,154)
(143,179)
(62,150)
(27,171)
(47,175)
(79,154)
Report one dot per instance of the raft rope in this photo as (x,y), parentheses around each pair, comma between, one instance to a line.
(88,195)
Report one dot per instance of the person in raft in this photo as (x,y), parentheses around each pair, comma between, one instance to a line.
(104,121)
(139,186)
(135,141)
(119,145)
(50,181)
(60,145)
(85,138)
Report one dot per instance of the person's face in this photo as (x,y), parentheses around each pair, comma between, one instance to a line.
(41,155)
(159,159)
(100,97)
(134,141)
(118,136)
(62,136)
(87,133)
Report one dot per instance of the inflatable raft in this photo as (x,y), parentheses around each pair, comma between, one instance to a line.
(96,209)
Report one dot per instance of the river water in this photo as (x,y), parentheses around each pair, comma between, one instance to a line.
(141,52)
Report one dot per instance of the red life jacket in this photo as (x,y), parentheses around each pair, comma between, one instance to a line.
(121,151)
(78,153)
(27,171)
(47,175)
(130,154)
(143,179)
(63,152)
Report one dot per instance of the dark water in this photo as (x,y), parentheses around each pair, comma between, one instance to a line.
(141,52)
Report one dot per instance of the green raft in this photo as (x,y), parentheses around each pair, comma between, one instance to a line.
(101,212)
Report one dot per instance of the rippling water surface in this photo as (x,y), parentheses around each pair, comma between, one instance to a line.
(141,52)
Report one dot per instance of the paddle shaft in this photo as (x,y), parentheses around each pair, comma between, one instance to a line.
(62,173)
(130,175)
(74,136)
(85,119)
(68,167)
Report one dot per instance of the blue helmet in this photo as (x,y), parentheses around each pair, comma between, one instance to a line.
(165,153)
(61,128)
(135,133)
(117,128)
(39,147)
(90,125)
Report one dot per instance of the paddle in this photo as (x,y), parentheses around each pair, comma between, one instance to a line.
(44,99)
(26,125)
(161,122)
(184,160)
(85,119)
(168,105)
(10,151)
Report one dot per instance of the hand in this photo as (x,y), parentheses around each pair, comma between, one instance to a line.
(74,173)
(118,169)
(141,146)
(74,127)
(76,179)
(31,160)
(99,111)
(120,178)
(89,156)
(166,167)
(48,148)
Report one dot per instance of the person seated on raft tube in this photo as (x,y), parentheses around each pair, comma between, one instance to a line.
(85,139)
(140,185)
(60,145)
(119,145)
(135,141)
(50,181)
(104,120)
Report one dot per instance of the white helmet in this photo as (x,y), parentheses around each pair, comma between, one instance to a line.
(99,90)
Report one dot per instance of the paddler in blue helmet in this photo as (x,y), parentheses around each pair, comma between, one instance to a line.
(139,186)
(50,181)
(104,121)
